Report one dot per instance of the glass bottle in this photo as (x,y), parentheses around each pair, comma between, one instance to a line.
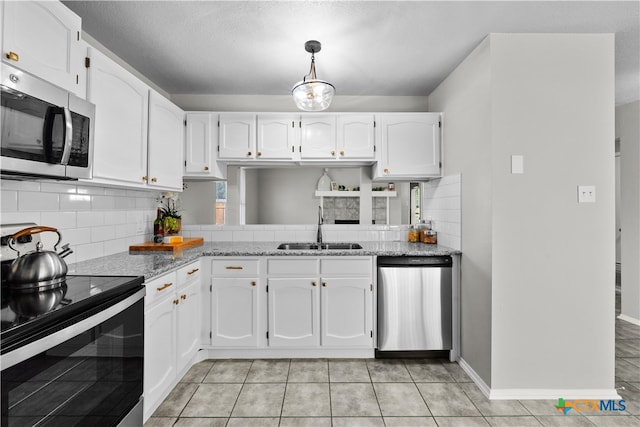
(158,229)
(412,235)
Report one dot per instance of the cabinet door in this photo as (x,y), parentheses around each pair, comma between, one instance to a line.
(410,145)
(43,38)
(234,312)
(166,137)
(120,151)
(276,136)
(237,136)
(347,315)
(294,317)
(188,324)
(356,136)
(201,147)
(159,350)
(318,137)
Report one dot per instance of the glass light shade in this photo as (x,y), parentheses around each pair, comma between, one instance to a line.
(313,95)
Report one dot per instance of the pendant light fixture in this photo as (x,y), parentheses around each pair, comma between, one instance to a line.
(312,94)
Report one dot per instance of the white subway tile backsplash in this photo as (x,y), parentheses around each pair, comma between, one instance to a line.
(9,184)
(9,200)
(54,187)
(20,217)
(76,236)
(115,218)
(36,201)
(58,219)
(105,232)
(242,236)
(216,235)
(90,219)
(103,202)
(90,190)
(263,236)
(89,251)
(75,202)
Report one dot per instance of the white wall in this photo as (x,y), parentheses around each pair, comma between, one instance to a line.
(95,221)
(200,197)
(537,267)
(628,130)
(464,97)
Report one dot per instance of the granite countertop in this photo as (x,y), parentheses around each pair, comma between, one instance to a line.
(152,264)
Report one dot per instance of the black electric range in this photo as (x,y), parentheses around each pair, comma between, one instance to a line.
(27,316)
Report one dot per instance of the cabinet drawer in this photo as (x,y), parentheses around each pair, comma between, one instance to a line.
(189,274)
(361,266)
(160,287)
(287,266)
(233,267)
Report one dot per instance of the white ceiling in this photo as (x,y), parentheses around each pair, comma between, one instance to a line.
(391,48)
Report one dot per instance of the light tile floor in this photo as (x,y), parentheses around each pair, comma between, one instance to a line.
(378,392)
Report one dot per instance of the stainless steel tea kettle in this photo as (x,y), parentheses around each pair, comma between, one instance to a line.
(38,270)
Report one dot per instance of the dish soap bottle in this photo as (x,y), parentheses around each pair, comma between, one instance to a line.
(324,183)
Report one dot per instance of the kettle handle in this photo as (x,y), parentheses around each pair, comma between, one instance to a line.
(33,230)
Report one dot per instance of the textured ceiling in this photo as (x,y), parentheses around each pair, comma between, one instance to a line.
(368,47)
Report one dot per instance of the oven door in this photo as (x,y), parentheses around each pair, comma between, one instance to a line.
(86,372)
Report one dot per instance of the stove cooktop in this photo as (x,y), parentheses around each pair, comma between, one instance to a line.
(25,313)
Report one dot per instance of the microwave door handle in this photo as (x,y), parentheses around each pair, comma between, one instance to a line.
(68,136)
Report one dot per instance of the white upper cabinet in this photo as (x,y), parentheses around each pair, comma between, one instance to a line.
(277,136)
(43,38)
(121,99)
(166,137)
(318,137)
(409,146)
(356,136)
(237,136)
(201,147)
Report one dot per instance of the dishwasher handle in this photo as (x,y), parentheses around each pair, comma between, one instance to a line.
(415,261)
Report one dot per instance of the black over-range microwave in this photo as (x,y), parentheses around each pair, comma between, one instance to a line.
(46,131)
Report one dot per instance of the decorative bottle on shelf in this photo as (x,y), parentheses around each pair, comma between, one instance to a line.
(324,183)
(158,229)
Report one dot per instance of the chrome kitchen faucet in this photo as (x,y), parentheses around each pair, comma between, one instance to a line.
(320,221)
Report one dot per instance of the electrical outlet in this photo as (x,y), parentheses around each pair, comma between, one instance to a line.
(586,194)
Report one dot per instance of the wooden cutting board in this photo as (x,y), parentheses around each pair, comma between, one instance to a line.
(187,242)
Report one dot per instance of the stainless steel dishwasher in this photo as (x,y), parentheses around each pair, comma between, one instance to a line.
(414,303)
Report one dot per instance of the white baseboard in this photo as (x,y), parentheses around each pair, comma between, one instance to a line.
(552,394)
(629,319)
(288,353)
(484,388)
(536,394)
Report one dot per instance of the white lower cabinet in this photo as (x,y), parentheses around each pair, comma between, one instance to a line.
(171,331)
(294,315)
(328,303)
(234,302)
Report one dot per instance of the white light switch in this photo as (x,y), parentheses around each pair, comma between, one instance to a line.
(586,194)
(517,164)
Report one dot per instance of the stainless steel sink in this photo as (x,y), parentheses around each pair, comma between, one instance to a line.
(319,246)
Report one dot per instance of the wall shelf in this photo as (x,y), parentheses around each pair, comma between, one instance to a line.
(355,193)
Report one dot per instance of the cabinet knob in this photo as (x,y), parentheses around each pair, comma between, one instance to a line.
(342,153)
(324,284)
(206,168)
(154,179)
(176,301)
(333,153)
(386,171)
(249,153)
(183,296)
(259,153)
(145,178)
(314,284)
(13,56)
(253,283)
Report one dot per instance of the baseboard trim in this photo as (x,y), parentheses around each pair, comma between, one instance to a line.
(552,393)
(288,353)
(533,393)
(629,319)
(484,388)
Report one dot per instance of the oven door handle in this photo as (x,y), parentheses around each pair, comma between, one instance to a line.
(34,348)
(68,136)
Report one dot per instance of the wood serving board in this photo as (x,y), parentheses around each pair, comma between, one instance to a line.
(187,242)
